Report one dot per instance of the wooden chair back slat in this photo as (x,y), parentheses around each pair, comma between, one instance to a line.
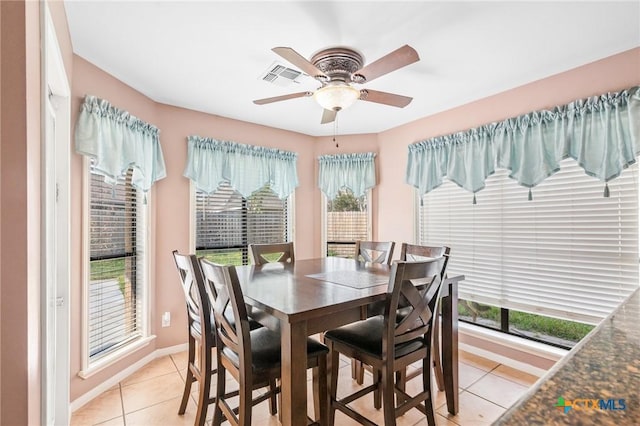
(375,251)
(417,285)
(284,250)
(232,325)
(197,303)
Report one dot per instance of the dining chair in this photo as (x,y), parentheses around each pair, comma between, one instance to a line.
(412,252)
(201,334)
(280,252)
(418,252)
(252,357)
(391,342)
(374,251)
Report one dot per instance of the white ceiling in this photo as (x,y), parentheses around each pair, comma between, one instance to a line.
(209,55)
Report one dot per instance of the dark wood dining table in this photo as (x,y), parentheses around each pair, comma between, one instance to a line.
(315,295)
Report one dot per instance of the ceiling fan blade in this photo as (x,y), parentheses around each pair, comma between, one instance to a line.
(298,60)
(328,116)
(281,98)
(385,98)
(397,59)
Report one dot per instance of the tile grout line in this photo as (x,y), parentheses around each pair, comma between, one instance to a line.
(485,399)
(495,375)
(124,418)
(512,381)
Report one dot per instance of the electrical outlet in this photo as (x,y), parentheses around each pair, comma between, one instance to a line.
(166,319)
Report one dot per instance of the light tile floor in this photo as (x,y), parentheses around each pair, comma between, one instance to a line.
(152,395)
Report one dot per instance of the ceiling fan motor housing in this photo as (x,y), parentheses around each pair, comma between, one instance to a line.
(339,64)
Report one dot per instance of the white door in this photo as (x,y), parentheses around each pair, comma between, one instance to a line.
(50,296)
(55,231)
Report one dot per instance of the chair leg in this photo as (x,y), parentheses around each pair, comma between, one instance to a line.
(426,387)
(401,382)
(279,382)
(246,399)
(388,397)
(357,371)
(435,354)
(377,393)
(220,391)
(205,384)
(320,391)
(334,362)
(189,379)
(273,404)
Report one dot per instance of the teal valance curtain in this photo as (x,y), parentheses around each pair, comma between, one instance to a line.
(246,168)
(117,140)
(354,171)
(601,133)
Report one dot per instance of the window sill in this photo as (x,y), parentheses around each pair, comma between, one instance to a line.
(522,354)
(118,355)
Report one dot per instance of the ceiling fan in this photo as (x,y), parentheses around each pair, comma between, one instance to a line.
(336,69)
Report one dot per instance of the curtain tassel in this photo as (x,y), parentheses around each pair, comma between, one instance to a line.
(474,199)
(113,191)
(530,195)
(144,200)
(606,190)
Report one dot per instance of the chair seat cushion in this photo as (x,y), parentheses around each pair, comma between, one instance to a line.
(366,336)
(265,349)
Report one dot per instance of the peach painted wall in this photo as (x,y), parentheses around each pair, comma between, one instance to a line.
(59,18)
(607,75)
(20,217)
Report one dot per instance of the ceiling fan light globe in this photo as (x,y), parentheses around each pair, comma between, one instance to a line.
(336,97)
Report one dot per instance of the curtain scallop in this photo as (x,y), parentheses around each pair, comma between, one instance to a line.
(354,171)
(117,140)
(601,133)
(246,168)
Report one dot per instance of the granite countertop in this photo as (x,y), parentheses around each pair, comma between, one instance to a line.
(599,377)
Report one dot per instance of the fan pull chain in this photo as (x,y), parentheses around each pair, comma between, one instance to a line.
(335,130)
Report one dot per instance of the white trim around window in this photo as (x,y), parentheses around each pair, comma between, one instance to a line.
(90,367)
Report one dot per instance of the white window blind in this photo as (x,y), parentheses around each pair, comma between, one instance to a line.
(347,221)
(569,253)
(116,251)
(226,223)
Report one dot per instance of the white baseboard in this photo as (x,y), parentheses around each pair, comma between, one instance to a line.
(117,378)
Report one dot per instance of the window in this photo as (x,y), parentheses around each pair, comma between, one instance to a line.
(568,254)
(117,279)
(226,223)
(347,220)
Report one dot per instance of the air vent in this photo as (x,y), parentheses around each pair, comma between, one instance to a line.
(281,75)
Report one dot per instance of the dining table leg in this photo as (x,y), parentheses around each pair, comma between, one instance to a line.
(294,373)
(450,345)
